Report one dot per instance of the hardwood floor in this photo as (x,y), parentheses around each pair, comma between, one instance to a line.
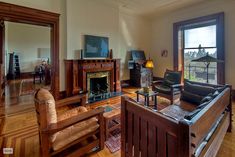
(18,127)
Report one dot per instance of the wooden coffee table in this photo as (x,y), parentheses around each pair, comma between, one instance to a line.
(112,121)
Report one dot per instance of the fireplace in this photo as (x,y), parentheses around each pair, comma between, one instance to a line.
(79,71)
(98,84)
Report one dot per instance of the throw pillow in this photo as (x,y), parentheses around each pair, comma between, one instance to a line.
(191,97)
(201,90)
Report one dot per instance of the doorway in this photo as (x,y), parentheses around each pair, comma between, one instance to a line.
(199,38)
(27,59)
(24,15)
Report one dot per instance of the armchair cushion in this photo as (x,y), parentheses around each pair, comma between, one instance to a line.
(46,98)
(172,77)
(73,133)
(76,131)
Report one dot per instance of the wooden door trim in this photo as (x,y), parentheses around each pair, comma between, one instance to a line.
(219,17)
(21,14)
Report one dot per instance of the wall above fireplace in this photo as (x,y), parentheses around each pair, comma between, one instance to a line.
(78,70)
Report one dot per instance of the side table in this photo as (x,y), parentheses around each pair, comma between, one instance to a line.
(112,121)
(146,95)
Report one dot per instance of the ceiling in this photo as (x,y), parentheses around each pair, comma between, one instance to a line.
(151,7)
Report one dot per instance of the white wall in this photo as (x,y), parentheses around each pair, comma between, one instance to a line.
(25,40)
(162,34)
(125,31)
(134,34)
(79,17)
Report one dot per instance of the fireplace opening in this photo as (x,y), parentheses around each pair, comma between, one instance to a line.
(99,86)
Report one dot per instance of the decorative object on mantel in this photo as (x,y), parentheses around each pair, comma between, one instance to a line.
(111,54)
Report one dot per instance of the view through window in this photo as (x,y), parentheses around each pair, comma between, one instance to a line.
(198,42)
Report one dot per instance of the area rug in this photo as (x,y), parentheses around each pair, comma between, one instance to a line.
(26,87)
(114,142)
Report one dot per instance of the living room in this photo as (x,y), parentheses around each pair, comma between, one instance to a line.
(149,27)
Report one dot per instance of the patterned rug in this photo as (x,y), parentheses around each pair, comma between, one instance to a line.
(27,87)
(114,143)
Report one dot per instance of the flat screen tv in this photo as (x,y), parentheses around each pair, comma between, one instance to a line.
(96,46)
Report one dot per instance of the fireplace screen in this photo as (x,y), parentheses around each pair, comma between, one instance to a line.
(98,84)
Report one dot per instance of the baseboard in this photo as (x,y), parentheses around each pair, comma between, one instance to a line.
(125,83)
(26,75)
(62,95)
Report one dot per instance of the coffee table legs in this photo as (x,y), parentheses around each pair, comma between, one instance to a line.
(155,103)
(147,101)
(137,97)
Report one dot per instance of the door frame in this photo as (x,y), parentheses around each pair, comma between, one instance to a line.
(178,52)
(26,15)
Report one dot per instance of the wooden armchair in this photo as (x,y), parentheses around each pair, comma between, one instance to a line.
(74,132)
(169,87)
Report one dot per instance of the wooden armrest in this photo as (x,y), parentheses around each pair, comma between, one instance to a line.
(176,85)
(70,100)
(53,128)
(158,81)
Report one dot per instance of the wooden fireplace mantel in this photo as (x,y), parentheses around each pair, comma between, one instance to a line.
(76,73)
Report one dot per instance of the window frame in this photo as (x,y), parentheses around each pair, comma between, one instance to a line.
(178,44)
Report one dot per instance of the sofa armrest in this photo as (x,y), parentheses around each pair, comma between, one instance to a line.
(53,128)
(71,100)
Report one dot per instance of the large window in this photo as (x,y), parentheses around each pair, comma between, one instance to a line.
(197,38)
(198,42)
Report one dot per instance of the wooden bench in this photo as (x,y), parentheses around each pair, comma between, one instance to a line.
(147,133)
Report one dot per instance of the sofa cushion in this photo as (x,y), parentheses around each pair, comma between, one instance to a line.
(201,90)
(191,97)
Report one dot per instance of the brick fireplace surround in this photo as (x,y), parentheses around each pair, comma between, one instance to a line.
(76,73)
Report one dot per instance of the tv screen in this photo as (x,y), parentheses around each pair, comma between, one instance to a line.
(96,47)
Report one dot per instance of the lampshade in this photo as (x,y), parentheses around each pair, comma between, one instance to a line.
(149,64)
